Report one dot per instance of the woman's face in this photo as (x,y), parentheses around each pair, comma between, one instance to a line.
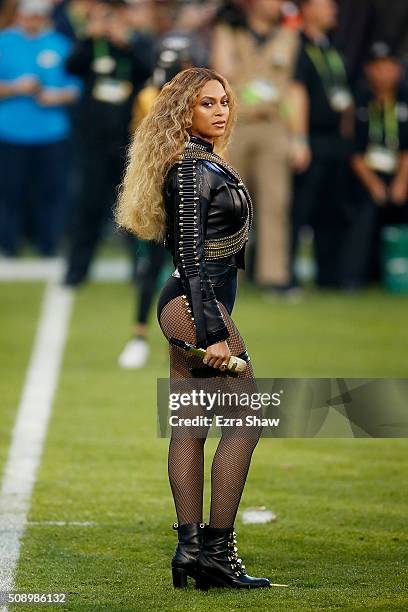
(211,112)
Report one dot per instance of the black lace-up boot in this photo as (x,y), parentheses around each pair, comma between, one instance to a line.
(218,563)
(184,561)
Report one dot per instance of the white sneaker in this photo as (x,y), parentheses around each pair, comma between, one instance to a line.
(134,355)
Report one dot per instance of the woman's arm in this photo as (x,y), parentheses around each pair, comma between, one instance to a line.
(191,197)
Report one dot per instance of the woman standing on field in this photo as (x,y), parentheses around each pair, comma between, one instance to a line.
(177,189)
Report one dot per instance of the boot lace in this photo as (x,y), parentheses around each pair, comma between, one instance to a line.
(236,563)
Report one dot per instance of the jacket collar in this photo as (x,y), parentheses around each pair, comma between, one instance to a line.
(207,146)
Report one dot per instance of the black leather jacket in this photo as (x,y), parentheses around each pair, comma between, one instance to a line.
(219,210)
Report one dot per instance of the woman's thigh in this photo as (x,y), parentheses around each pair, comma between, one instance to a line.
(175,319)
(189,374)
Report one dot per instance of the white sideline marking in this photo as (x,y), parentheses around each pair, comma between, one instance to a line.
(31,427)
(53,269)
(62,523)
(29,269)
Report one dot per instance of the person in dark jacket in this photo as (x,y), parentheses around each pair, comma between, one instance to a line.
(380,164)
(114,63)
(175,54)
(177,188)
(320,192)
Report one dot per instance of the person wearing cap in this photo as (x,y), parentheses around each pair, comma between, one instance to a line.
(114,61)
(380,164)
(35,91)
(180,48)
(70,17)
(192,21)
(174,54)
(322,125)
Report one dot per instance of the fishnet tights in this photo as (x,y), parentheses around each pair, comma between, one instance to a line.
(232,458)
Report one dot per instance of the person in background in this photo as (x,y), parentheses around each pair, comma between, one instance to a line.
(380,163)
(232,13)
(193,21)
(291,15)
(141,18)
(322,124)
(114,66)
(174,54)
(7,13)
(71,16)
(258,59)
(35,90)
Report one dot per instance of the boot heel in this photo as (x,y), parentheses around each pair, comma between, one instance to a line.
(179,578)
(202,583)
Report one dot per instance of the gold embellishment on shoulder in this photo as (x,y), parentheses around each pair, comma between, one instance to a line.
(218,248)
(195,151)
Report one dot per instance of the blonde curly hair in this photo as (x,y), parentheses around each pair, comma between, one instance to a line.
(157,144)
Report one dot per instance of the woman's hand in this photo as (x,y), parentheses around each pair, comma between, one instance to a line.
(217,355)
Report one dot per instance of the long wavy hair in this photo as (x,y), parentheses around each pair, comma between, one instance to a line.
(157,144)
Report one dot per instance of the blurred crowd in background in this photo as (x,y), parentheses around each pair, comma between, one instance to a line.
(321,137)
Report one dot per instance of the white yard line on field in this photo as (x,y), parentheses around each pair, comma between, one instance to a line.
(30,428)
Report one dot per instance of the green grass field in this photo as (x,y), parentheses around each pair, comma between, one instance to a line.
(340,540)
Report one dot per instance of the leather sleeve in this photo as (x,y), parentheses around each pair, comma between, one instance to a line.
(189,198)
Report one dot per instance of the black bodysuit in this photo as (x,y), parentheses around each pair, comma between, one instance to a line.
(219,211)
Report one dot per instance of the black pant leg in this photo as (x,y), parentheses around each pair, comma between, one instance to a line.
(14,174)
(306,187)
(155,262)
(97,197)
(356,256)
(48,198)
(328,223)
